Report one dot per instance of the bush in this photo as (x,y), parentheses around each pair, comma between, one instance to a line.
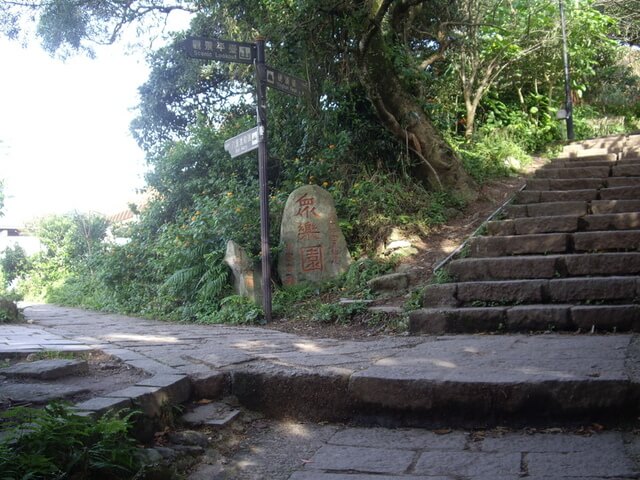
(9,312)
(54,443)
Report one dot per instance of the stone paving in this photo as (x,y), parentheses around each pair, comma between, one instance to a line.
(327,380)
(479,378)
(375,454)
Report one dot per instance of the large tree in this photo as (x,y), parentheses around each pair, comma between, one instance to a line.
(382,45)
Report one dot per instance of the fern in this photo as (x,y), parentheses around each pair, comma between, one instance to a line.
(206,279)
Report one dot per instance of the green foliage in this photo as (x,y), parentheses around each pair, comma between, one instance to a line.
(339,313)
(14,263)
(9,312)
(235,310)
(442,275)
(54,443)
(354,281)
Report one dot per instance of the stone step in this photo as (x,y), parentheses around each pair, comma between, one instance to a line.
(564,224)
(564,184)
(513,292)
(620,193)
(626,170)
(530,226)
(610,221)
(581,152)
(613,182)
(615,206)
(573,163)
(606,241)
(526,318)
(546,209)
(630,152)
(544,266)
(543,196)
(518,245)
(576,172)
(527,244)
(628,161)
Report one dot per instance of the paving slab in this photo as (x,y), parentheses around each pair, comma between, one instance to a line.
(486,455)
(46,369)
(39,393)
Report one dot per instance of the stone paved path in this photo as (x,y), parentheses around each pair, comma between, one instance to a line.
(326,379)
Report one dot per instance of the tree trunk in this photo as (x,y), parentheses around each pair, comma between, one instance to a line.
(401,113)
(471,108)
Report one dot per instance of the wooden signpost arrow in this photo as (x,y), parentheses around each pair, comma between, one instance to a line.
(252,53)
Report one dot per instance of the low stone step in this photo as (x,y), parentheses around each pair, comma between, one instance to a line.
(627,170)
(562,290)
(544,266)
(564,184)
(606,241)
(614,206)
(543,196)
(628,161)
(613,182)
(564,224)
(529,226)
(591,157)
(611,221)
(565,163)
(547,209)
(620,193)
(526,318)
(571,173)
(518,245)
(630,152)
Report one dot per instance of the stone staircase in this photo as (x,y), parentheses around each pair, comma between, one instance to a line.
(565,255)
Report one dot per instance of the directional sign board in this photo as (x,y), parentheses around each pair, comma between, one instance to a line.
(221,50)
(243,143)
(286,83)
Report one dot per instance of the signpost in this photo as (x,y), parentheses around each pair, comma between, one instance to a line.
(256,138)
(243,143)
(221,50)
(286,83)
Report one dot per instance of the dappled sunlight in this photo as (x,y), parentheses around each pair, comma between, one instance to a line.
(540,371)
(246,464)
(436,362)
(254,345)
(133,337)
(297,429)
(308,347)
(470,350)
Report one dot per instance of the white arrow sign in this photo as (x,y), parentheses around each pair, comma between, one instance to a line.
(243,143)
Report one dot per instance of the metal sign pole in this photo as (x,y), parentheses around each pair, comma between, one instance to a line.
(567,76)
(263,178)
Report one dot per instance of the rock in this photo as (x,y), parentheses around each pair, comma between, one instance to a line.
(247,276)
(313,248)
(189,438)
(212,414)
(391,282)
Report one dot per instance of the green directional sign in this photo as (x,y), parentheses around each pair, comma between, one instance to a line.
(220,50)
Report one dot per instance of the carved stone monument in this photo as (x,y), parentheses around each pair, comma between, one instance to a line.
(247,279)
(312,246)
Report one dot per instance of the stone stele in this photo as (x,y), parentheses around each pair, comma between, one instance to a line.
(312,246)
(247,277)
